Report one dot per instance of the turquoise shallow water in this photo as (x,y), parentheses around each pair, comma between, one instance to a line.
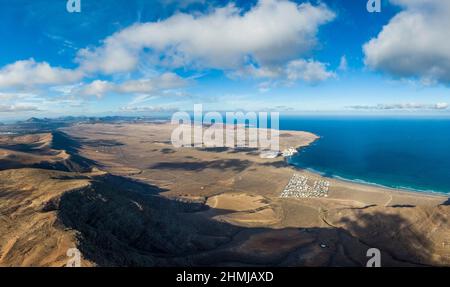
(399,153)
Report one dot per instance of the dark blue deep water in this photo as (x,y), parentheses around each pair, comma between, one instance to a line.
(400,153)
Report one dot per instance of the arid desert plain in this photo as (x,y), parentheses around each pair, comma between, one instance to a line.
(124,196)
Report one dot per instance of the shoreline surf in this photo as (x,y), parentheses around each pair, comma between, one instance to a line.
(373,184)
(395,154)
(361,181)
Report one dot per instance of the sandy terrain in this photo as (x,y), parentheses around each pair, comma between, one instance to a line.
(154,204)
(29,232)
(247,186)
(145,152)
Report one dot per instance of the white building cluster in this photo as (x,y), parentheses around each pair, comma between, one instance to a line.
(298,187)
(289,152)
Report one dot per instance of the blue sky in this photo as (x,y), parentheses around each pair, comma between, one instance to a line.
(142,57)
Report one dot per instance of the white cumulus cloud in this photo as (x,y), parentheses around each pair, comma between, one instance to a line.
(141,86)
(29,73)
(415,43)
(308,70)
(270,33)
(17,108)
(343,64)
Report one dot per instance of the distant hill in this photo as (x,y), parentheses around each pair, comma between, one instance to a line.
(52,151)
(36,120)
(84,119)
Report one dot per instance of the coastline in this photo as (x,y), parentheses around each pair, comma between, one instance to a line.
(431,193)
(362,195)
(373,184)
(229,192)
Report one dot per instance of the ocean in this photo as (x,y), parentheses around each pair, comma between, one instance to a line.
(406,153)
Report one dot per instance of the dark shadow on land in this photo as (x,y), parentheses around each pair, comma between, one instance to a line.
(403,206)
(60,142)
(392,235)
(122,222)
(167,150)
(233,164)
(77,163)
(126,223)
(21,147)
(277,164)
(214,149)
(102,143)
(246,150)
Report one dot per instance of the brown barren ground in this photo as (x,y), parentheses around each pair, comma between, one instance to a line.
(147,203)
